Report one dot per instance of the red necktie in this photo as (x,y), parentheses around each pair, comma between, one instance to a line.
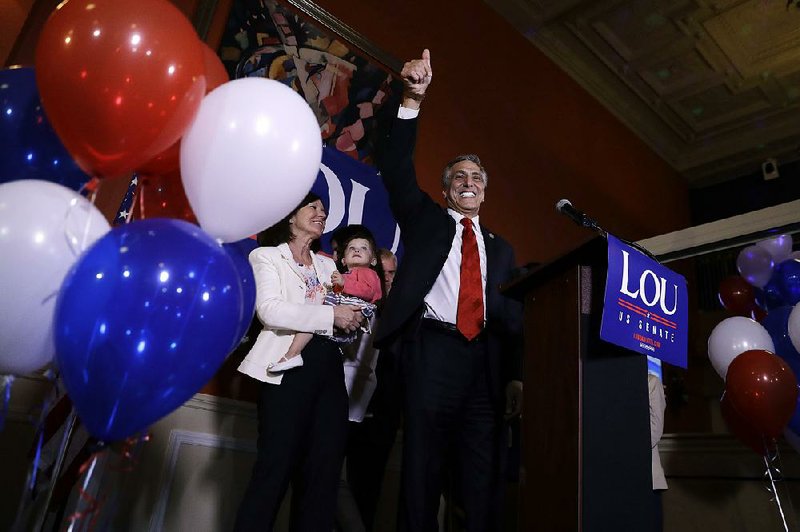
(469,320)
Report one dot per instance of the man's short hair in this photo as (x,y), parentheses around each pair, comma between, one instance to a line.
(386,254)
(447,174)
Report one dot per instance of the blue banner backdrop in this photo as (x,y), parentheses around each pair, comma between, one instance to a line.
(347,92)
(645,306)
(353,193)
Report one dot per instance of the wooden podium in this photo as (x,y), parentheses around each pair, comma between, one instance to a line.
(585,456)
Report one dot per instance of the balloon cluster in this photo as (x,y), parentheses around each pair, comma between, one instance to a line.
(769,277)
(29,148)
(137,318)
(760,361)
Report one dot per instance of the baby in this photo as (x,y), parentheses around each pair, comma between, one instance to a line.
(359,286)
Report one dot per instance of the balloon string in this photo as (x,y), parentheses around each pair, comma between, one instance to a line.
(93,504)
(36,458)
(129,453)
(142,214)
(40,428)
(76,244)
(768,461)
(89,189)
(7,381)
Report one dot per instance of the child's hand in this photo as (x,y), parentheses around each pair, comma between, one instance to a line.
(337,279)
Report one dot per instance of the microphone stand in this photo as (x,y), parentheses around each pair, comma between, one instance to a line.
(639,248)
(591,224)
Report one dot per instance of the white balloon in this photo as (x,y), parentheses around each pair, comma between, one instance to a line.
(732,337)
(794,326)
(250,156)
(755,265)
(44,227)
(780,247)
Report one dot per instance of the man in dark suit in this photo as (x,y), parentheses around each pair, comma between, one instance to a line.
(457,340)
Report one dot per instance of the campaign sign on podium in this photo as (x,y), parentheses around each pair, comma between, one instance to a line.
(645,306)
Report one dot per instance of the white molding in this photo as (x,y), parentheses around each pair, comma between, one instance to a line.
(213,403)
(702,443)
(722,230)
(179,438)
(713,455)
(28,391)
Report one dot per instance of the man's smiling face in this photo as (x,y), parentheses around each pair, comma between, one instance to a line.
(465,193)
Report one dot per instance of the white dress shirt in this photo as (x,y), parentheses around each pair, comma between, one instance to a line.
(441,303)
(407,113)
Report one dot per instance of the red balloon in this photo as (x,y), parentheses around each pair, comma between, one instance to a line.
(120,80)
(745,432)
(166,162)
(737,296)
(763,390)
(758,314)
(162,196)
(216,74)
(169,160)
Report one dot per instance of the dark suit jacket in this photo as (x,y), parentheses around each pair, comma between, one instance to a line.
(427,231)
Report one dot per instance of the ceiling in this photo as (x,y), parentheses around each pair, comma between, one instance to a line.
(713,86)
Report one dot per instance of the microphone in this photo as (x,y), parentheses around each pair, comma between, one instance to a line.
(565,207)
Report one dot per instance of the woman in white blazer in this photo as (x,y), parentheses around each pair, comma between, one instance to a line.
(302,414)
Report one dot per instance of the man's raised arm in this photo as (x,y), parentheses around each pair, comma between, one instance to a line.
(417,75)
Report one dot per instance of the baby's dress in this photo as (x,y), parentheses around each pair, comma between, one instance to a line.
(362,288)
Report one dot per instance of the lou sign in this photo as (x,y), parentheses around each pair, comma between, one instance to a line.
(646,305)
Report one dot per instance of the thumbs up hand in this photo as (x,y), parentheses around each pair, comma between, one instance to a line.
(417,75)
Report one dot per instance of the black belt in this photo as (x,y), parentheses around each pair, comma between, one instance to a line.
(447,328)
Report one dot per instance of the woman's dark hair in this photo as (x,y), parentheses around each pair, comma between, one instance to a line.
(280,233)
(362,232)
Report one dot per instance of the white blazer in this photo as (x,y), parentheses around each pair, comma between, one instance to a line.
(281,307)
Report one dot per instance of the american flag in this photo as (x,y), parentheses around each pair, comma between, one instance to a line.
(126,207)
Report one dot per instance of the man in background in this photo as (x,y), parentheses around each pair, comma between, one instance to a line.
(389,262)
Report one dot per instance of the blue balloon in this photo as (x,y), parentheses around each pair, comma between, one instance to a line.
(29,147)
(770,296)
(143,320)
(788,281)
(239,251)
(777,325)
